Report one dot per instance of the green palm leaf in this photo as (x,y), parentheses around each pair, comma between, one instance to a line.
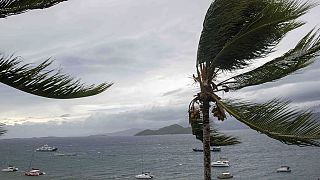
(14,7)
(277,120)
(301,56)
(42,82)
(2,131)
(216,138)
(233,36)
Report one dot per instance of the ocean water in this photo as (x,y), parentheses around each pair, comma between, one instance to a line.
(168,157)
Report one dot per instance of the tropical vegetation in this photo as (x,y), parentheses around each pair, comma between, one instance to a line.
(38,79)
(235,34)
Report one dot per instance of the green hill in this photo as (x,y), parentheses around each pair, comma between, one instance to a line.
(173,129)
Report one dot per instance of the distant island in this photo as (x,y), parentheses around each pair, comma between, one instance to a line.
(172,129)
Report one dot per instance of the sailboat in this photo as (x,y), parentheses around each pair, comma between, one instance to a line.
(33,171)
(143,175)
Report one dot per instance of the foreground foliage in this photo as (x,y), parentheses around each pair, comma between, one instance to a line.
(235,34)
(38,79)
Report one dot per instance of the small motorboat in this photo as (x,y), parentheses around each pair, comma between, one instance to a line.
(46,148)
(220,164)
(10,169)
(225,175)
(284,169)
(144,175)
(34,172)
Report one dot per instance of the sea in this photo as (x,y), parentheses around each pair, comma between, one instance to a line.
(167,157)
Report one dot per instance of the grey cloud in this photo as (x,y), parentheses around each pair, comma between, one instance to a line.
(97,123)
(131,43)
(172,92)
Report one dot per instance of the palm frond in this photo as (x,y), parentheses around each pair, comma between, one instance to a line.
(40,81)
(301,56)
(216,138)
(2,131)
(277,120)
(14,7)
(238,31)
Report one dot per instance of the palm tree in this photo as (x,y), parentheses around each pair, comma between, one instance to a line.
(39,80)
(235,33)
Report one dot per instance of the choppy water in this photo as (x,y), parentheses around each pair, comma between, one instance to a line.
(167,157)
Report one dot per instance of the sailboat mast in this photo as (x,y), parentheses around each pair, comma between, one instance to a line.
(32,157)
(141,163)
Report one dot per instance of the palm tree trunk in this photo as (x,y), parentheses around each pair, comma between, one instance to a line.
(206,141)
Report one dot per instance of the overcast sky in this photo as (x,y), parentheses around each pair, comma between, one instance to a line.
(146,47)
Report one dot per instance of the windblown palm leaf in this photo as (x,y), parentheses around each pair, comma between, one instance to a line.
(40,81)
(216,138)
(2,131)
(238,31)
(14,7)
(277,120)
(301,56)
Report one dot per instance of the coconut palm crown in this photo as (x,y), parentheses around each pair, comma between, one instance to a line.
(38,79)
(235,34)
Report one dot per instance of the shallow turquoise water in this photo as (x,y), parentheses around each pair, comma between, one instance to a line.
(167,157)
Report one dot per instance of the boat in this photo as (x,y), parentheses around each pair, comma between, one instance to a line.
(214,149)
(46,148)
(225,175)
(284,169)
(223,159)
(10,169)
(34,172)
(144,175)
(220,164)
(197,150)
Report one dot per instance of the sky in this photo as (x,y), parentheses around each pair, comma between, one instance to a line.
(147,48)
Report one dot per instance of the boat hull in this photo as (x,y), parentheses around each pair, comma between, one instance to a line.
(47,150)
(225,177)
(215,149)
(284,169)
(220,165)
(144,176)
(10,169)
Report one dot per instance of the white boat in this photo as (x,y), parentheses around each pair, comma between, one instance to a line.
(144,175)
(10,169)
(225,175)
(223,159)
(220,164)
(284,169)
(46,148)
(34,172)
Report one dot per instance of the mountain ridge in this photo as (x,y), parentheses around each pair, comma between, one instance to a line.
(172,129)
